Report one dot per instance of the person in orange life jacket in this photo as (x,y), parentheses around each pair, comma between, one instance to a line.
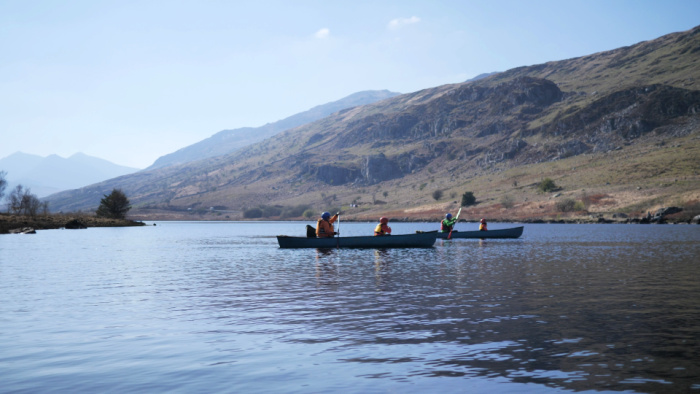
(382,228)
(482,226)
(447,223)
(324,225)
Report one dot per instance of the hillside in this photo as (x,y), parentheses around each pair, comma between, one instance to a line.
(618,131)
(228,141)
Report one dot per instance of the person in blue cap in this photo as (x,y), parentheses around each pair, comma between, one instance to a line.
(324,225)
(447,223)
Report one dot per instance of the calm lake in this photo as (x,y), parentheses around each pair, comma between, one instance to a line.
(219,307)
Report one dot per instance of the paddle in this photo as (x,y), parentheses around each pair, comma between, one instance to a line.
(449,236)
(337,242)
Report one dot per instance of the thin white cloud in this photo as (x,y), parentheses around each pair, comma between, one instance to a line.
(323,33)
(399,22)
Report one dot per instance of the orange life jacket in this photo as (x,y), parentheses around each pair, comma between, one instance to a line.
(324,228)
(482,227)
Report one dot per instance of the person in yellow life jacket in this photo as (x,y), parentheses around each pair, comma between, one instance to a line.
(382,228)
(482,226)
(447,223)
(324,225)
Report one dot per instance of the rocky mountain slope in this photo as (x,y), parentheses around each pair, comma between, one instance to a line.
(618,132)
(228,141)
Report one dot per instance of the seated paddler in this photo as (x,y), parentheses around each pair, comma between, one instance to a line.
(324,225)
(482,225)
(383,227)
(447,223)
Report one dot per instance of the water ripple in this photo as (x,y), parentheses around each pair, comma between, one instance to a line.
(219,307)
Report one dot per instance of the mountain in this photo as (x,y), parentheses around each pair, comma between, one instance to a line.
(52,174)
(617,131)
(18,163)
(228,141)
(481,76)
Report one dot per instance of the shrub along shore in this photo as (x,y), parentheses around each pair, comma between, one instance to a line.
(55,221)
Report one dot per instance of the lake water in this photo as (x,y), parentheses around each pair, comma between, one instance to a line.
(218,307)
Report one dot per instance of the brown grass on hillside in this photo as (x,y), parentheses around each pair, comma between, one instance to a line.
(598,199)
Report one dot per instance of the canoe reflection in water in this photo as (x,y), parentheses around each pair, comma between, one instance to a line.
(327,271)
(382,265)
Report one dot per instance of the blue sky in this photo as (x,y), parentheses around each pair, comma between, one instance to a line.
(130,81)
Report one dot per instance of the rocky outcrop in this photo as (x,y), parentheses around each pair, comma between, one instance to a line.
(410,162)
(336,175)
(505,150)
(378,168)
(22,230)
(572,148)
(627,114)
(533,93)
(374,169)
(661,213)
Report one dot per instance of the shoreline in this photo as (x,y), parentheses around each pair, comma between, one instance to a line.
(16,223)
(670,215)
(10,224)
(428,217)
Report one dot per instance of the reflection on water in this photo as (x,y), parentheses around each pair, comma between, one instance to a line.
(382,266)
(219,307)
(327,270)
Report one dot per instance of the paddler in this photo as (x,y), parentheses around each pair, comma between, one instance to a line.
(447,223)
(482,225)
(324,225)
(383,227)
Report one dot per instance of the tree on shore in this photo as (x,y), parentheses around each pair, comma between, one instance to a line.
(114,206)
(23,202)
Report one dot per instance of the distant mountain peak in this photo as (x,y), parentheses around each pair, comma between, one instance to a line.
(21,154)
(53,173)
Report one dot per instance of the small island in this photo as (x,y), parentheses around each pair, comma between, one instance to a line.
(19,223)
(24,218)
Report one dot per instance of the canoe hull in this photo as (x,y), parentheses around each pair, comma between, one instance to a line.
(422,240)
(514,232)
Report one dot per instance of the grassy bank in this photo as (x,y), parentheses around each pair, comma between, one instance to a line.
(55,221)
